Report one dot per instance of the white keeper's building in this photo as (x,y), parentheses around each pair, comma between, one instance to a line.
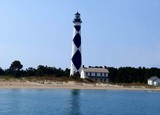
(96,74)
(154,80)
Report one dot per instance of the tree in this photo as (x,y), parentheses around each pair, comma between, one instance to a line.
(67,72)
(41,70)
(112,73)
(30,72)
(2,71)
(15,69)
(16,65)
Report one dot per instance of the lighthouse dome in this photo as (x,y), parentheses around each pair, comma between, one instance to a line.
(77,18)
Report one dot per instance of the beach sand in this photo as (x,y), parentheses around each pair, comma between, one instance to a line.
(68,85)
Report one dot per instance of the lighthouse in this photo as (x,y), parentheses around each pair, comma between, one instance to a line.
(76,58)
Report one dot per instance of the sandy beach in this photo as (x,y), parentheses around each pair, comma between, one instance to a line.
(68,85)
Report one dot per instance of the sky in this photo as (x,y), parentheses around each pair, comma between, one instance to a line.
(115,33)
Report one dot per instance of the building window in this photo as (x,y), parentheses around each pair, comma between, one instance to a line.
(95,74)
(101,74)
(104,74)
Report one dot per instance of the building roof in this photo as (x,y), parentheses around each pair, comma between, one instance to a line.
(157,80)
(100,70)
(77,13)
(153,78)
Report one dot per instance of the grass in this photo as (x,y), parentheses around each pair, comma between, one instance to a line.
(43,78)
(136,85)
(65,79)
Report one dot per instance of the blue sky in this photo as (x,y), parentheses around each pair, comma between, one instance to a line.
(114,32)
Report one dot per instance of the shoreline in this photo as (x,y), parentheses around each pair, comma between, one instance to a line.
(69,85)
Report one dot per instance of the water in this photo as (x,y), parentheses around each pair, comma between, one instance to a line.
(78,102)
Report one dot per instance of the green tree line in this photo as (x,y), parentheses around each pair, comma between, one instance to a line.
(116,75)
(15,70)
(132,74)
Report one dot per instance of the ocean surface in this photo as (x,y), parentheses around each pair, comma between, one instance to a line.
(78,102)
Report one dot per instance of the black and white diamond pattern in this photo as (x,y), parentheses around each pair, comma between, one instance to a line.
(76,59)
(77,40)
(77,28)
